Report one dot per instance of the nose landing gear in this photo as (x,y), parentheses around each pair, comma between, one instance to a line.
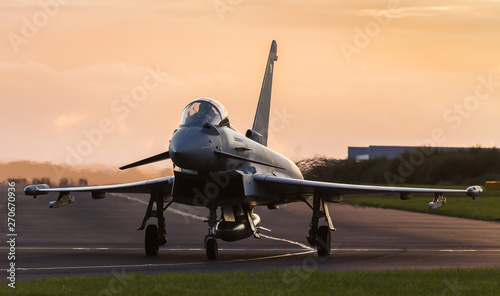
(211,246)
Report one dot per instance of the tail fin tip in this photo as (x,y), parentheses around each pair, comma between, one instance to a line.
(261,121)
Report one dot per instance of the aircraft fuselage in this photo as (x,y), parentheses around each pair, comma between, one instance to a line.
(216,165)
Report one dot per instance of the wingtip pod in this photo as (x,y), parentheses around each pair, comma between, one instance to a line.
(474,191)
(34,190)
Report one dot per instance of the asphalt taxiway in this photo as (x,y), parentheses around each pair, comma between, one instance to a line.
(98,237)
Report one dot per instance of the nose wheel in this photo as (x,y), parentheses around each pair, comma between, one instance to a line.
(210,242)
(211,248)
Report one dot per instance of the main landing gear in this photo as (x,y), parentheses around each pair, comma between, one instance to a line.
(152,242)
(320,236)
(156,235)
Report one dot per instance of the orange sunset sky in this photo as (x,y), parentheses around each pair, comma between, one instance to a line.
(108,80)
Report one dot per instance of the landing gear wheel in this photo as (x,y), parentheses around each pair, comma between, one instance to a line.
(212,248)
(151,242)
(323,241)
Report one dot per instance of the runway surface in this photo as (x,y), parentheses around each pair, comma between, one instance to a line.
(98,237)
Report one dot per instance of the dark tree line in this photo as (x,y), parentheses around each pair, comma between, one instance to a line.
(63,182)
(422,166)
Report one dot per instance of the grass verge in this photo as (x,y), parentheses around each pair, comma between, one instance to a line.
(272,282)
(485,207)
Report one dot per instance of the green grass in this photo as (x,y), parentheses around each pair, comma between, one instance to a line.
(485,207)
(272,282)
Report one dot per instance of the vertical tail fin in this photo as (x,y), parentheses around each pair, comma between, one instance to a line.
(261,121)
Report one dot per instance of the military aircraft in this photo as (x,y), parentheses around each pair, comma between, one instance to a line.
(217,167)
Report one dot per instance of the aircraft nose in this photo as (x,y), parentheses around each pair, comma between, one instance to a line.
(191,148)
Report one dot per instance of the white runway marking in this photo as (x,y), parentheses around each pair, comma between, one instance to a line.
(121,195)
(160,265)
(290,254)
(262,250)
(141,249)
(287,241)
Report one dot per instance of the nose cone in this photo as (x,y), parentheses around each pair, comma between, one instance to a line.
(190,148)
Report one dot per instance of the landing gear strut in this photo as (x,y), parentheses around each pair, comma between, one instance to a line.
(156,235)
(320,236)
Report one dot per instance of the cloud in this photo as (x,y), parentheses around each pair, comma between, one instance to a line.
(403,11)
(68,119)
(39,74)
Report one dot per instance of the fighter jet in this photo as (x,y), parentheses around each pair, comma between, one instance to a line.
(229,173)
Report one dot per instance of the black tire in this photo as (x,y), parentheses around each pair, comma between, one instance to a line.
(323,241)
(212,248)
(151,242)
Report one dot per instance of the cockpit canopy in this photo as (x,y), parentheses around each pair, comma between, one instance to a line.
(204,110)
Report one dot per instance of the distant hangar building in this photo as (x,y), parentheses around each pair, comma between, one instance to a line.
(371,152)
